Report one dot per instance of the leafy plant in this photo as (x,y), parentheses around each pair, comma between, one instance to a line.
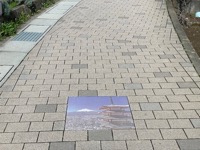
(10,28)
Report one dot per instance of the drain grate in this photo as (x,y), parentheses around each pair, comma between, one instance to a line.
(27,36)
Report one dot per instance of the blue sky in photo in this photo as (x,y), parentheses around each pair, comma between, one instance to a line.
(94,102)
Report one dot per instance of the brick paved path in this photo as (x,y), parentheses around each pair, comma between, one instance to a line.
(109,47)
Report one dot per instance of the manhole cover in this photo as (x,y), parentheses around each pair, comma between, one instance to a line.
(4,71)
(98,112)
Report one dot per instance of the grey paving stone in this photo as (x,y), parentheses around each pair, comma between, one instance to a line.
(62,146)
(36,28)
(133,86)
(190,144)
(129,53)
(196,123)
(79,66)
(150,106)
(162,74)
(87,93)
(124,41)
(167,56)
(100,135)
(50,108)
(187,85)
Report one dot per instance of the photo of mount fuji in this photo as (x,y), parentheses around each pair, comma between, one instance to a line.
(98,112)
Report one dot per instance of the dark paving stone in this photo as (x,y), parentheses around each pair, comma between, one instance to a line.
(162,74)
(87,93)
(78,21)
(166,56)
(139,37)
(189,144)
(196,123)
(139,46)
(124,41)
(46,108)
(98,135)
(79,28)
(187,85)
(62,146)
(79,66)
(101,19)
(122,17)
(140,13)
(129,53)
(159,27)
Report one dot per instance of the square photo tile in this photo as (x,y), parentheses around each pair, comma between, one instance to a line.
(98,112)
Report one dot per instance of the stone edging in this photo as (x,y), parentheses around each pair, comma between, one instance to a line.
(190,51)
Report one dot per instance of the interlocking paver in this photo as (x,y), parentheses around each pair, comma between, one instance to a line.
(165,145)
(189,144)
(45,108)
(25,137)
(98,135)
(6,137)
(124,135)
(141,144)
(87,93)
(17,127)
(88,145)
(113,145)
(50,136)
(75,136)
(37,146)
(62,146)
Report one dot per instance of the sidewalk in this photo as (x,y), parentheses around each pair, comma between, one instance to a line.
(105,48)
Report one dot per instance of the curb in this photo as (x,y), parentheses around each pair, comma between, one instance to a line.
(190,51)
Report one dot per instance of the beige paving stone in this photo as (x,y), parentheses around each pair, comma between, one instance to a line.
(41,126)
(32,117)
(25,137)
(140,145)
(113,145)
(17,127)
(173,134)
(88,145)
(24,109)
(186,114)
(192,133)
(143,115)
(75,136)
(124,135)
(171,106)
(147,134)
(140,124)
(180,123)
(10,117)
(12,146)
(36,146)
(6,137)
(54,117)
(157,124)
(50,136)
(165,145)
(164,114)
